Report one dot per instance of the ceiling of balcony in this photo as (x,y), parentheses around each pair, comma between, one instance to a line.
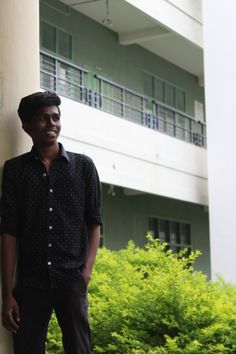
(136,27)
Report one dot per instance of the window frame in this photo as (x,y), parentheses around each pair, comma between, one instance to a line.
(181,245)
(165,85)
(57,31)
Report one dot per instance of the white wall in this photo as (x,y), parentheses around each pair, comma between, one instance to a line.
(192,8)
(180,16)
(220,77)
(19,70)
(19,76)
(135,157)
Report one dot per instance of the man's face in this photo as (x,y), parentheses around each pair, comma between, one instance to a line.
(45,126)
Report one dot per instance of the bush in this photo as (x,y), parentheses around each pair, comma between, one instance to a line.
(148,301)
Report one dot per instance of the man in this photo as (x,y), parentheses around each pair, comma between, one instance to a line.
(50,228)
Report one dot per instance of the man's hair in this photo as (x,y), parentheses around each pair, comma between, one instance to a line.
(29,105)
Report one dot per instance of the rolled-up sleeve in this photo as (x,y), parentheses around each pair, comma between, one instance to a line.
(93,210)
(8,202)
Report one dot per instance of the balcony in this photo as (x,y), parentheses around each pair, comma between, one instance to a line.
(96,91)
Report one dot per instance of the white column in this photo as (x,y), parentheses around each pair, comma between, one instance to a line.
(19,76)
(220,85)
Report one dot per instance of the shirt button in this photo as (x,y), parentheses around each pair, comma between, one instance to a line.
(51,190)
(44,174)
(50,209)
(50,227)
(49,263)
(49,245)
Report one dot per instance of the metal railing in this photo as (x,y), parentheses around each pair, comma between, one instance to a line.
(71,81)
(66,79)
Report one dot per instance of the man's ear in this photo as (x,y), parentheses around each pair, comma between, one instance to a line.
(27,127)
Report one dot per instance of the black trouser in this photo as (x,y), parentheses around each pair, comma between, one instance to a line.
(36,306)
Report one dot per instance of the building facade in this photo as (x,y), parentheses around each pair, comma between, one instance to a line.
(137,114)
(131,78)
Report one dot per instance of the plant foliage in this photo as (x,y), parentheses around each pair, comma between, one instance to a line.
(151,301)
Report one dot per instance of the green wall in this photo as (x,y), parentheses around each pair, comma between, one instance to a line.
(96,46)
(126,217)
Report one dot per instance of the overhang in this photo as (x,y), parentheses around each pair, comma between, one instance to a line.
(170,29)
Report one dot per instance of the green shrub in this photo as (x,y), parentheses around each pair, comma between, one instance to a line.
(54,338)
(148,301)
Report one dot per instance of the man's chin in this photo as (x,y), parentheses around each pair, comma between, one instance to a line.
(46,142)
(51,142)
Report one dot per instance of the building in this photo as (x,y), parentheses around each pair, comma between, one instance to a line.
(134,102)
(131,77)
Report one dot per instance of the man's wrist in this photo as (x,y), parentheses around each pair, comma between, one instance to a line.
(88,266)
(6,294)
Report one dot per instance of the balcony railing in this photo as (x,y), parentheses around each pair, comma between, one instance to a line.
(72,81)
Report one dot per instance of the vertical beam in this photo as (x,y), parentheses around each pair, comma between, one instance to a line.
(19,76)
(220,77)
(19,69)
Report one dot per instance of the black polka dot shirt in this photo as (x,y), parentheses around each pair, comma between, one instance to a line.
(50,215)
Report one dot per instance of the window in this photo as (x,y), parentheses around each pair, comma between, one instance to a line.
(48,35)
(164,92)
(47,72)
(67,80)
(121,102)
(176,234)
(56,40)
(64,44)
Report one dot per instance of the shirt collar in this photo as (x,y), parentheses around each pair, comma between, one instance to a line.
(62,153)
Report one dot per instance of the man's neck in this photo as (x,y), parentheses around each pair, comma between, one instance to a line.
(48,153)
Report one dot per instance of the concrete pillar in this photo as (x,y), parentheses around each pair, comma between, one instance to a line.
(220,77)
(19,76)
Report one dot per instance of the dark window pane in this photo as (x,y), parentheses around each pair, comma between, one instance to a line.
(164,232)
(148,84)
(64,44)
(158,90)
(180,99)
(174,249)
(153,226)
(174,232)
(189,251)
(169,95)
(186,239)
(48,37)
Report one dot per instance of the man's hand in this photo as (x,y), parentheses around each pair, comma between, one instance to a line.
(10,314)
(94,236)
(86,273)
(10,308)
